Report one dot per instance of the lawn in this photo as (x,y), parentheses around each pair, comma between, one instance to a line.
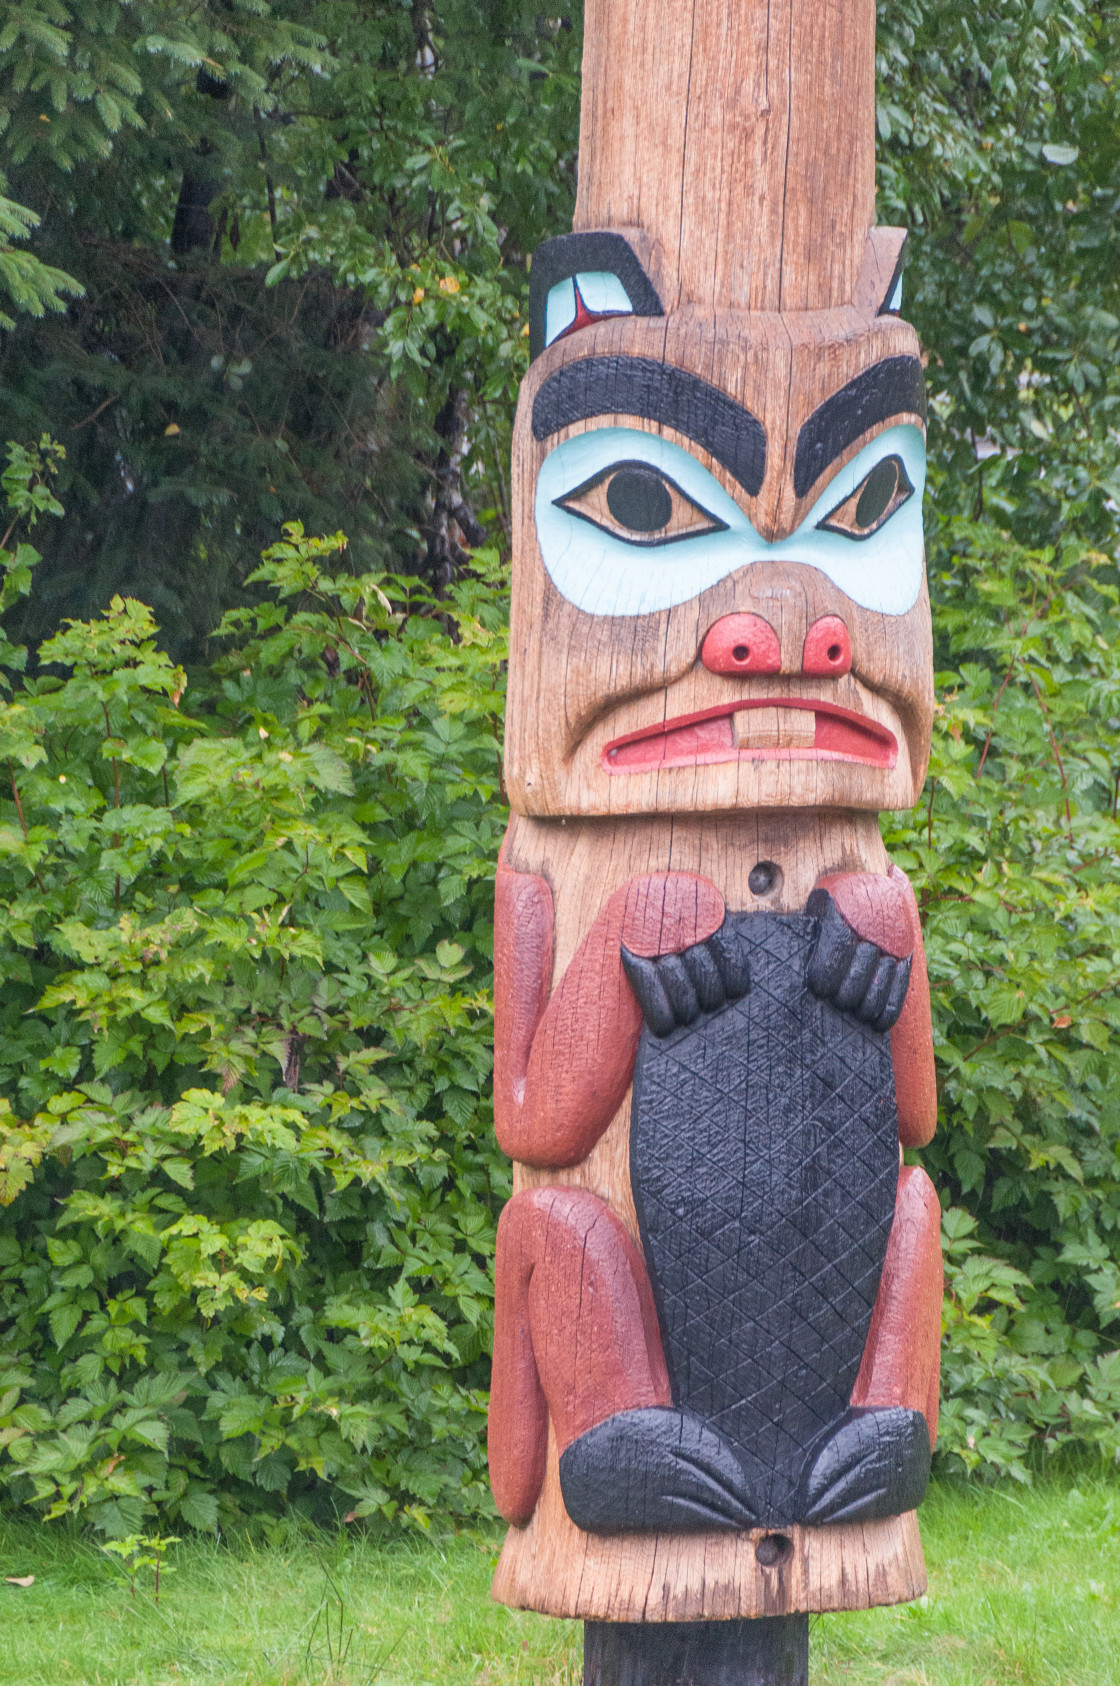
(1024,1587)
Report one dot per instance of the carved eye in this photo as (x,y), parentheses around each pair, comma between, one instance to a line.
(873,502)
(639,504)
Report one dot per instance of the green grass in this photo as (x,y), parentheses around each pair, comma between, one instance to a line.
(1024,1588)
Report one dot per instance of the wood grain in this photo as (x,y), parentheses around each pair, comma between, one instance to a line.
(879,268)
(574,1324)
(554,1567)
(587,861)
(915,1075)
(577,1068)
(758,177)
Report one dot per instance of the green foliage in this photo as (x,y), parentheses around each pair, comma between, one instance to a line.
(1014,856)
(400,163)
(83,77)
(246,1149)
(137,1552)
(244,1040)
(339,338)
(245,1146)
(1004,1395)
(999,130)
(32,286)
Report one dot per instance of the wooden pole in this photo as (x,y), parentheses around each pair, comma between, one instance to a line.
(717,1292)
(740,137)
(772,1651)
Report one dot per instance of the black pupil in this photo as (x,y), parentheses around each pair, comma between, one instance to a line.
(638,498)
(877,493)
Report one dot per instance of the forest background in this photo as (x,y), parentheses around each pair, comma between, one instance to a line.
(267,263)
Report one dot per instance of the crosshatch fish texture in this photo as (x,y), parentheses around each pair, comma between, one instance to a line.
(764,1160)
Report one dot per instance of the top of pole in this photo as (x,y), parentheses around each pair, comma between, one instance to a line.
(739,135)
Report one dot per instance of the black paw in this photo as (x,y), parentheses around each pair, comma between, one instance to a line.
(855,976)
(875,1464)
(676,989)
(655,1468)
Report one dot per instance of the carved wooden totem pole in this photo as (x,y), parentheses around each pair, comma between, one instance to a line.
(718,1289)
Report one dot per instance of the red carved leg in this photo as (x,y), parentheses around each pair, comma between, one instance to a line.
(902,1358)
(563,1064)
(575,1334)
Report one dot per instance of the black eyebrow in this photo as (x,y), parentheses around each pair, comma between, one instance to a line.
(661,393)
(894,387)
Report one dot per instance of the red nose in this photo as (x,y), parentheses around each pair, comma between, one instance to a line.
(742,644)
(828,648)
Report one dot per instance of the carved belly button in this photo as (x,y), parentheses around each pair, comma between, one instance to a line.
(773,1550)
(765,879)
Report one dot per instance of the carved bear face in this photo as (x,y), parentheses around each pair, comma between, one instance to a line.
(719,576)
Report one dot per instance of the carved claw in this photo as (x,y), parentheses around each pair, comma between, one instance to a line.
(645,980)
(856,976)
(875,1463)
(675,989)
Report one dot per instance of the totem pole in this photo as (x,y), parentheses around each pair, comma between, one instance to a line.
(718,1288)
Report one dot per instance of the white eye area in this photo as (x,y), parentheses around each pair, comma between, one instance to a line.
(638,504)
(630,523)
(599,292)
(894,303)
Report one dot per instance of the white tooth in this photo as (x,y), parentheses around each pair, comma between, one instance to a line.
(775,728)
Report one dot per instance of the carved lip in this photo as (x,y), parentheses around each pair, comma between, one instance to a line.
(709,737)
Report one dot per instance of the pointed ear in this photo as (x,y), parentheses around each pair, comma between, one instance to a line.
(580,278)
(879,287)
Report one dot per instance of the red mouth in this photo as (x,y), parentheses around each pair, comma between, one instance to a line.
(694,740)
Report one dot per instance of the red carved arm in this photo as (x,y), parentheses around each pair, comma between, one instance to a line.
(883,910)
(562,1065)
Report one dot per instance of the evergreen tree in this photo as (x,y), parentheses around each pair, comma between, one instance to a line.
(302,234)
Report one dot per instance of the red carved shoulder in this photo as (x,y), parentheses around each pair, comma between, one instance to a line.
(563,1063)
(523,923)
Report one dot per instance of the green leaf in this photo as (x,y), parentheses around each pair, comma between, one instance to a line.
(199,1509)
(240,1415)
(64,1319)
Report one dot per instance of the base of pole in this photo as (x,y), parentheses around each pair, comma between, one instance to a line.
(771,1651)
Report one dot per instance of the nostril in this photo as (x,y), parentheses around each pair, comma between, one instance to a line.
(828,648)
(741,645)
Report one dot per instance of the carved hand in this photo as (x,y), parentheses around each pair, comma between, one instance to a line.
(854,974)
(675,989)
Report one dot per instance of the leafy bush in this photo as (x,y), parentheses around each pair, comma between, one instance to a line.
(1014,854)
(244,1031)
(246,1150)
(245,1138)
